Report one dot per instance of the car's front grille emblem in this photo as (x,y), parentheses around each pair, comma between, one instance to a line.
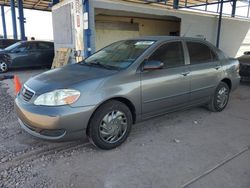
(27,93)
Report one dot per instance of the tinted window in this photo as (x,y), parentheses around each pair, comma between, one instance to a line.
(200,53)
(44,46)
(32,46)
(23,47)
(171,54)
(13,46)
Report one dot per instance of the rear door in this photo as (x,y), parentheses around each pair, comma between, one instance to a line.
(167,88)
(204,70)
(46,53)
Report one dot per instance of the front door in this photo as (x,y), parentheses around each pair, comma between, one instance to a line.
(25,55)
(168,88)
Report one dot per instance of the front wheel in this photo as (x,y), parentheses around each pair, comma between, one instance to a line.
(110,125)
(220,98)
(3,67)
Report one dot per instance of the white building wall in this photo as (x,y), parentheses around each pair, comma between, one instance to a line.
(235,36)
(233,32)
(143,27)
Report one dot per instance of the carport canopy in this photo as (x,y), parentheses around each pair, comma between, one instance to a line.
(44,5)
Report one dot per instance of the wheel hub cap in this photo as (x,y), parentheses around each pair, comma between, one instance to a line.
(222,97)
(3,66)
(113,126)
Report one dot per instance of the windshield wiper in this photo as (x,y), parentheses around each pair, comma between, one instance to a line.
(99,64)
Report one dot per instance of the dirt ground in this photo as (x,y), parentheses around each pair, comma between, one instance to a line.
(193,148)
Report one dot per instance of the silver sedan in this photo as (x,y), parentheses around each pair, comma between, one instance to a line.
(124,83)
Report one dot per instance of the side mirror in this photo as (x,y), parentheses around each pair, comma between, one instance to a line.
(153,65)
(247,53)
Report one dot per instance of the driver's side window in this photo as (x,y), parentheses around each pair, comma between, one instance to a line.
(170,54)
(22,48)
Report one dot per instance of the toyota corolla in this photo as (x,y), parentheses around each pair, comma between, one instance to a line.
(124,83)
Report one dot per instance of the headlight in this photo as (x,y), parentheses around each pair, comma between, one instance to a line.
(58,97)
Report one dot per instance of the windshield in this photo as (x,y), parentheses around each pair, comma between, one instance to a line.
(119,55)
(11,47)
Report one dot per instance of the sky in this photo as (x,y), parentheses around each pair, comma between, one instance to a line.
(38,24)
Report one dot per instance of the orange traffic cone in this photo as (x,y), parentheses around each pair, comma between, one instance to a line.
(17,84)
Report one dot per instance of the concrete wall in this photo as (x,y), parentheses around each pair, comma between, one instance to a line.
(105,36)
(155,20)
(245,45)
(62,28)
(234,32)
(235,36)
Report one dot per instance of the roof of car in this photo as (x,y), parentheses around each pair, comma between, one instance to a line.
(30,41)
(164,38)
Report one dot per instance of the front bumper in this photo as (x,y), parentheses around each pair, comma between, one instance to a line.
(53,123)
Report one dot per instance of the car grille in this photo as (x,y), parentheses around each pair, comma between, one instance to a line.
(27,93)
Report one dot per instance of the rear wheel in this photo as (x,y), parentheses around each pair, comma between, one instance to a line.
(110,125)
(3,66)
(220,98)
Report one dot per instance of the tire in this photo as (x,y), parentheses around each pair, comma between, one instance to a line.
(3,67)
(110,125)
(220,98)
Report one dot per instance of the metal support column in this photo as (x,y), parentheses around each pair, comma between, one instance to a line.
(3,22)
(13,15)
(219,25)
(21,19)
(55,2)
(87,30)
(176,4)
(234,8)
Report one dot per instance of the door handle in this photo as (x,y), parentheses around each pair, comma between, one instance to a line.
(185,73)
(217,67)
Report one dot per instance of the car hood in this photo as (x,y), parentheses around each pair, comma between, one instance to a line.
(65,77)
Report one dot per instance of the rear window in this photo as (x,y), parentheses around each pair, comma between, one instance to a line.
(200,53)
(44,46)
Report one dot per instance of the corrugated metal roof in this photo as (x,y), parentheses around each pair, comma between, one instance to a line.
(44,5)
(169,3)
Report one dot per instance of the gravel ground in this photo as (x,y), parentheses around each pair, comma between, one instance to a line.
(167,151)
(22,156)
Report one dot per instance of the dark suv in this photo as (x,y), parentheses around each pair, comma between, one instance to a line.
(27,54)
